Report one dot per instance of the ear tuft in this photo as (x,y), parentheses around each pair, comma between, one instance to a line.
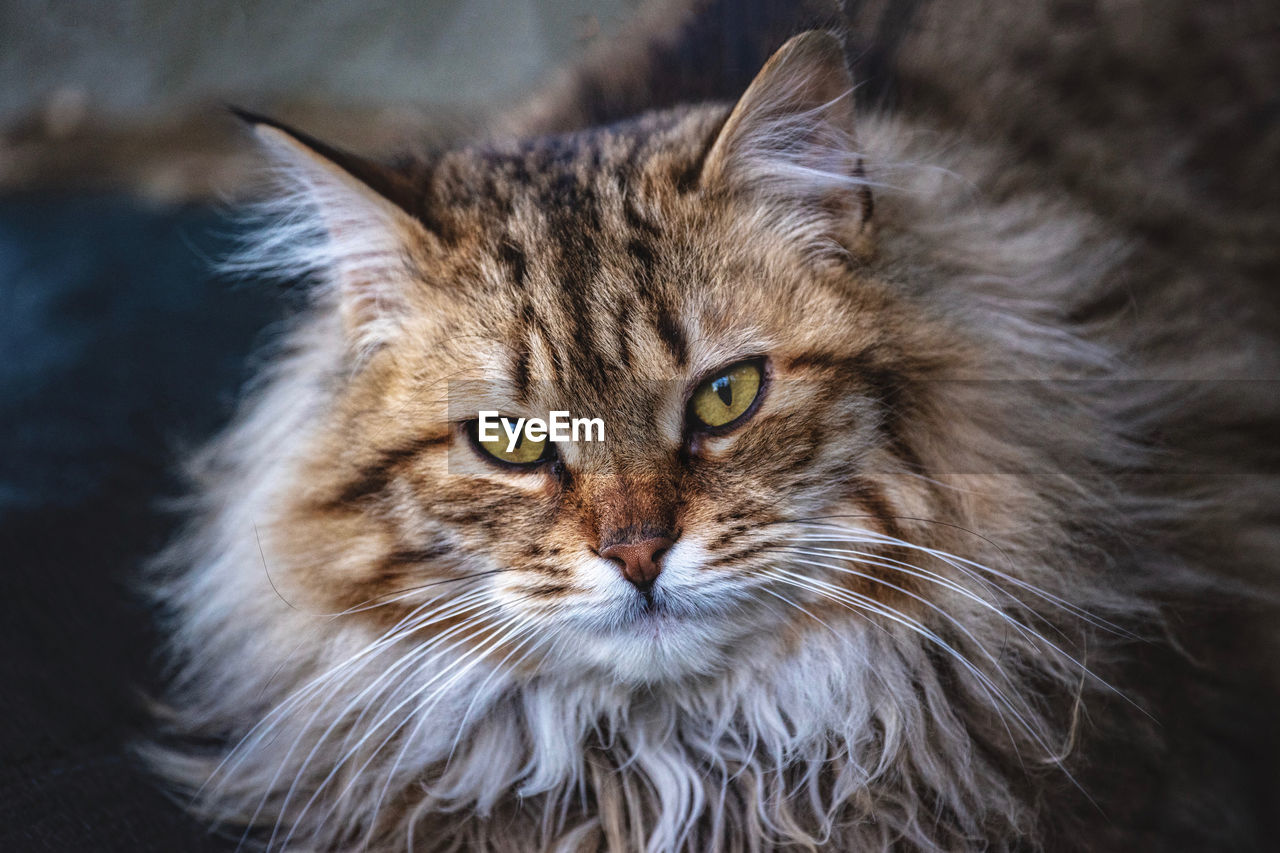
(343,219)
(789,142)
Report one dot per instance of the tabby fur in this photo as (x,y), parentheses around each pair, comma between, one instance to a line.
(930,596)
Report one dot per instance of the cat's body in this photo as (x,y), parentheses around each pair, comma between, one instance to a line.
(917,597)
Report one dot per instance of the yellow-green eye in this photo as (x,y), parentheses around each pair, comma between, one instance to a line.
(494,437)
(728,395)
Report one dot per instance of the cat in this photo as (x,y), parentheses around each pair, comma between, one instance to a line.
(882,548)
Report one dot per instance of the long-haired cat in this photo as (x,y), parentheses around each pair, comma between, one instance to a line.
(886,545)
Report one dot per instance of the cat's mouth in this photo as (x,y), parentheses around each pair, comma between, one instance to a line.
(649,612)
(647,608)
(643,639)
(654,612)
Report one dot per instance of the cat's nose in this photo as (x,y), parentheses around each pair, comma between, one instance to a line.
(640,562)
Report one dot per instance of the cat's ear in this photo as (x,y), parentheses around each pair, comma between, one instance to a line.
(789,142)
(346,220)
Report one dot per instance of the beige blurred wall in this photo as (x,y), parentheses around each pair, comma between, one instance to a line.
(126,92)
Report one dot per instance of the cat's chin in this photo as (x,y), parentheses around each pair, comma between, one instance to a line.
(650,645)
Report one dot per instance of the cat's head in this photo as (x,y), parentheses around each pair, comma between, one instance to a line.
(702,282)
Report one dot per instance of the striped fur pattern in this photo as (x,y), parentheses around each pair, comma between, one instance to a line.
(903,601)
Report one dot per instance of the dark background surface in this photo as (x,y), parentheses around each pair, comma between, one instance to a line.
(118,347)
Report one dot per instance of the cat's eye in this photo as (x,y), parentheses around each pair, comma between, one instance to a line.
(498,444)
(727,397)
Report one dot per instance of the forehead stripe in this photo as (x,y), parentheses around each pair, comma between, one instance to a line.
(672,335)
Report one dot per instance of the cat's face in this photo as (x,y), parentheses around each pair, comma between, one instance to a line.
(752,381)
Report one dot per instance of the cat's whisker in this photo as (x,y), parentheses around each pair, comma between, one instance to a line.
(869,559)
(961,563)
(479,691)
(998,697)
(416,620)
(413,657)
(1025,631)
(978,644)
(915,596)
(884,609)
(983,583)
(468,660)
(408,592)
(425,707)
(371,693)
(401,595)
(797,606)
(854,600)
(364,606)
(868,536)
(408,626)
(245,747)
(909,568)
(839,593)
(857,535)
(463,628)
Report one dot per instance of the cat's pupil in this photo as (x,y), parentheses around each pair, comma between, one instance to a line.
(724,390)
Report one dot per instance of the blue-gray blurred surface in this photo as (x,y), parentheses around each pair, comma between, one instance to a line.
(118,345)
(146,58)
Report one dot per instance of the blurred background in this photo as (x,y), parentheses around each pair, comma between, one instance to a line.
(125,94)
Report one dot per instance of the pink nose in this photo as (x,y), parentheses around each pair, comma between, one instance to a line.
(639,561)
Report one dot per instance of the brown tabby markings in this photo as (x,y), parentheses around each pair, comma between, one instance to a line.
(568,222)
(610,271)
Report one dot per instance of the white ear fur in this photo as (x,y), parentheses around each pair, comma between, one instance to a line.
(789,142)
(327,222)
